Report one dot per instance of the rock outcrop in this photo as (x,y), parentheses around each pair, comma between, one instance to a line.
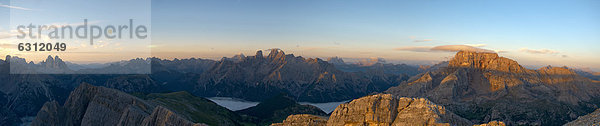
(492,123)
(303,120)
(483,87)
(384,110)
(592,119)
(90,105)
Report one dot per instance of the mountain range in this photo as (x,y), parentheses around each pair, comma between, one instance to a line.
(313,80)
(376,66)
(475,86)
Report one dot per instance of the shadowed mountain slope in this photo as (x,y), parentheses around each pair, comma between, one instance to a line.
(260,77)
(90,105)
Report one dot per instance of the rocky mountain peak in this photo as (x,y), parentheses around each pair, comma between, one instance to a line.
(276,54)
(335,60)
(485,60)
(556,70)
(55,63)
(371,61)
(259,54)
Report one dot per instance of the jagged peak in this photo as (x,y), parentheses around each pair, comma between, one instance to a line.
(49,59)
(275,52)
(259,54)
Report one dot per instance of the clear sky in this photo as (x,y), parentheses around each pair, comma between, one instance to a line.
(533,32)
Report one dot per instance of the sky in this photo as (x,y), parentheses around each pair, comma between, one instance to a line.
(533,32)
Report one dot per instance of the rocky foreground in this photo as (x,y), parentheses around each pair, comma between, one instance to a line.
(383,109)
(91,105)
(592,119)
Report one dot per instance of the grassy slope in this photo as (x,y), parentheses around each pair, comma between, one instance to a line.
(199,110)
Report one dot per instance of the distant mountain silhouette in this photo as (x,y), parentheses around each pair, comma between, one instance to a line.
(376,66)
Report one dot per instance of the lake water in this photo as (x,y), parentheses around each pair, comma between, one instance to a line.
(234,104)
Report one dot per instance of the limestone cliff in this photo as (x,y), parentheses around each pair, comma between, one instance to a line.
(303,120)
(484,86)
(383,110)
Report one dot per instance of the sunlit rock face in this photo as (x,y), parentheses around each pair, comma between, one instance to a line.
(384,110)
(492,123)
(483,87)
(487,61)
(303,120)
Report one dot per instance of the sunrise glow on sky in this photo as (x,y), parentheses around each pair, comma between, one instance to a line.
(535,32)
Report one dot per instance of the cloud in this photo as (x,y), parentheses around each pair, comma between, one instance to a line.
(423,40)
(445,48)
(456,48)
(541,51)
(477,45)
(14,7)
